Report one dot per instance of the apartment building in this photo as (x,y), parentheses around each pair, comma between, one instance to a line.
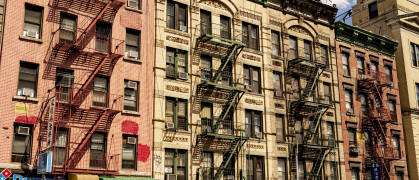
(246,89)
(372,124)
(76,93)
(398,20)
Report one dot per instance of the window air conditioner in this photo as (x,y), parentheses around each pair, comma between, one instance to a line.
(349,111)
(170,125)
(183,75)
(23,130)
(258,135)
(28,92)
(131,140)
(32,34)
(171,177)
(132,85)
(248,87)
(182,28)
(132,4)
(133,54)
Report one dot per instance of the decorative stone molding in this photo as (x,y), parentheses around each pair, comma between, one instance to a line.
(215,4)
(251,16)
(300,30)
(195,9)
(279,105)
(281,148)
(254,146)
(326,75)
(177,40)
(178,139)
(277,63)
(251,57)
(253,101)
(159,43)
(330,114)
(275,23)
(177,89)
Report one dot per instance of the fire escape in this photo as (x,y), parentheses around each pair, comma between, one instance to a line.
(80,110)
(222,135)
(376,121)
(304,119)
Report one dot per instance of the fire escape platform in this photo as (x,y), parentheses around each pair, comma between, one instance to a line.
(218,41)
(308,105)
(300,61)
(220,87)
(222,136)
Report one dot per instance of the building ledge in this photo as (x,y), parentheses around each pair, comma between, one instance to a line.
(135,113)
(177,32)
(134,9)
(30,39)
(24,98)
(132,60)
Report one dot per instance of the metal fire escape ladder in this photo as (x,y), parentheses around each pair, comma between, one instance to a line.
(311,83)
(314,126)
(318,163)
(227,156)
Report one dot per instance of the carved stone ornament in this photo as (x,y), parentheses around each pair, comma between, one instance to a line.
(253,101)
(177,89)
(178,139)
(281,149)
(275,23)
(215,4)
(251,57)
(277,63)
(279,105)
(254,146)
(177,40)
(300,30)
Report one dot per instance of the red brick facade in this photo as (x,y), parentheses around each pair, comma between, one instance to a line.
(17,48)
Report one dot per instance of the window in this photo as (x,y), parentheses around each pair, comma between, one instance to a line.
(323,54)
(136,4)
(177,16)
(295,87)
(250,36)
(277,84)
(32,26)
(275,43)
(252,78)
(396,146)
(345,64)
(414,49)
(307,50)
(206,67)
(354,174)
(392,107)
(131,95)
(129,151)
(254,124)
(333,171)
(373,10)
(97,150)
(352,137)
(176,112)
(282,170)
(400,175)
(255,168)
(227,75)
(280,129)
(28,79)
(389,74)
(225,27)
(176,162)
(132,44)
(206,117)
(63,82)
(293,52)
(68,24)
(176,63)
(60,144)
(22,137)
(301,170)
(348,100)
(363,99)
(327,95)
(103,37)
(207,166)
(330,130)
(360,65)
(100,91)
(206,24)
(417,93)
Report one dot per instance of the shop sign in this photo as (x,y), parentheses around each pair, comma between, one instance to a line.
(50,126)
(45,163)
(376,171)
(21,108)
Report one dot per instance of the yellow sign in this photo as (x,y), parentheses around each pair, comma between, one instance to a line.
(21,108)
(360,136)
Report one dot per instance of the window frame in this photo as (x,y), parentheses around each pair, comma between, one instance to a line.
(34,8)
(125,142)
(26,155)
(255,160)
(136,95)
(285,170)
(351,103)
(66,30)
(324,57)
(346,65)
(206,67)
(139,3)
(389,76)
(176,112)
(91,158)
(414,48)
(360,65)
(373,14)
(247,37)
(137,47)
(277,85)
(175,157)
(294,55)
(276,42)
(251,70)
(32,66)
(417,94)
(176,14)
(60,149)
(280,117)
(175,64)
(308,50)
(327,97)
(99,90)
(205,29)
(353,143)
(228,19)
(252,123)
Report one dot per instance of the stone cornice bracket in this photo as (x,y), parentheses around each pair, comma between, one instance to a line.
(354,35)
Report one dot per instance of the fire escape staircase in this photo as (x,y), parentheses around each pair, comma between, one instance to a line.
(227,50)
(306,106)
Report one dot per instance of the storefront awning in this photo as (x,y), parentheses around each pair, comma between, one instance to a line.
(123,178)
(75,176)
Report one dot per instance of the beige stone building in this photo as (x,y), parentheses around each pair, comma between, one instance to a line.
(399,20)
(244,88)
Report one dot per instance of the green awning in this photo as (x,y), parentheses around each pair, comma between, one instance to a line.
(123,178)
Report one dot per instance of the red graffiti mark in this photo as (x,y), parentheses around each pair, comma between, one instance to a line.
(143,152)
(130,127)
(27,119)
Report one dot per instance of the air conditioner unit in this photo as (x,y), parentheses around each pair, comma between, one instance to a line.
(183,28)
(131,140)
(350,111)
(353,149)
(170,125)
(258,135)
(183,75)
(230,177)
(132,54)
(132,4)
(132,85)
(28,92)
(29,33)
(23,130)
(171,177)
(278,93)
(248,87)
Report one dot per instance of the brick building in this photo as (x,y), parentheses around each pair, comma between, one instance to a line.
(370,104)
(237,84)
(76,82)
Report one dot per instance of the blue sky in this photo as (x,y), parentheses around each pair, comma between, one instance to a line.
(343,6)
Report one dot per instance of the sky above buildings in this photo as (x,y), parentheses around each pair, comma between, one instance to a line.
(343,6)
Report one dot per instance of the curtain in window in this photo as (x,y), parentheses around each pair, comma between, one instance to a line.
(279,128)
(169,110)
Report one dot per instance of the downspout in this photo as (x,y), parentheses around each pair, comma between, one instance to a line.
(154,89)
(336,121)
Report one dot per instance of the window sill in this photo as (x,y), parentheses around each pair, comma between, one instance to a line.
(247,49)
(131,113)
(26,98)
(347,76)
(177,32)
(134,9)
(132,60)
(30,39)
(278,57)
